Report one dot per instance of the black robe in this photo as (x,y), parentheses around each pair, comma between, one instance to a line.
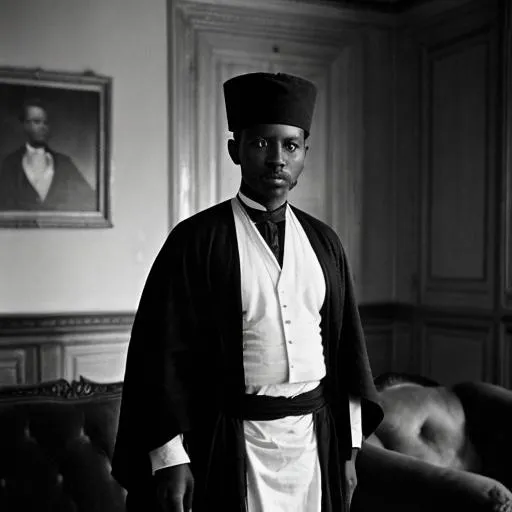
(184,371)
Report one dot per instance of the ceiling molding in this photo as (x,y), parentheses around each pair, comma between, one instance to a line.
(284,12)
(425,12)
(384,6)
(279,26)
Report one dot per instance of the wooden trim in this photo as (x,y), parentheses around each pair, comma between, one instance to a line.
(328,10)
(62,389)
(63,323)
(20,325)
(69,323)
(386,312)
(392,6)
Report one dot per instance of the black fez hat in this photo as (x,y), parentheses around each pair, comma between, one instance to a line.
(266,98)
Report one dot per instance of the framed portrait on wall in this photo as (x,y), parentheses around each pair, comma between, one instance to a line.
(54,149)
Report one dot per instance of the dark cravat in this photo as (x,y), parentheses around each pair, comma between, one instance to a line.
(271,225)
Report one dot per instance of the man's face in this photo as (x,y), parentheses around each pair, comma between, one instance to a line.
(36,125)
(271,157)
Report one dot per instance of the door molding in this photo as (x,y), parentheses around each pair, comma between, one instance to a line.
(201,33)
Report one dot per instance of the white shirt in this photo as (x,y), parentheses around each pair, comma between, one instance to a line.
(282,342)
(38,166)
(283,352)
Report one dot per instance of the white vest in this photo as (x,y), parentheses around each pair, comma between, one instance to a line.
(281,307)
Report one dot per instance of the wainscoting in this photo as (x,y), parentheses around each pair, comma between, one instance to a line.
(446,345)
(41,348)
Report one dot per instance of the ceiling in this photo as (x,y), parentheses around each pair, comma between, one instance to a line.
(381,5)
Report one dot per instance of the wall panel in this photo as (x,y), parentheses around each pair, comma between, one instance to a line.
(457,350)
(13,366)
(379,342)
(43,348)
(100,362)
(506,178)
(459,170)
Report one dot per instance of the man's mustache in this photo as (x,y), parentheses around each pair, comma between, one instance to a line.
(278,175)
(283,176)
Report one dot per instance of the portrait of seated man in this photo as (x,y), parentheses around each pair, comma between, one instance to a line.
(35,177)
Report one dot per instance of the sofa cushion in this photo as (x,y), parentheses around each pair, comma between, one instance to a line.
(56,445)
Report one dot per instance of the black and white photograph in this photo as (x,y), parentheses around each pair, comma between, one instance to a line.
(53,149)
(298,295)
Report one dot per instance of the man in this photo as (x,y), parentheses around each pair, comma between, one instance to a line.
(247,359)
(35,177)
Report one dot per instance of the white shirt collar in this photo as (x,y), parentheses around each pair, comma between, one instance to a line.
(32,149)
(250,202)
(37,164)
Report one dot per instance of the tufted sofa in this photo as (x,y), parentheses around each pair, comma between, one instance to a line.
(56,444)
(438,448)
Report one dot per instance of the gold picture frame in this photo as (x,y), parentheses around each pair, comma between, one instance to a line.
(69,186)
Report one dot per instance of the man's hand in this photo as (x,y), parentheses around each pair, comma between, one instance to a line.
(349,479)
(174,488)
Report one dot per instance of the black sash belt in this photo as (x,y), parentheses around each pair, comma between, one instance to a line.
(226,475)
(263,408)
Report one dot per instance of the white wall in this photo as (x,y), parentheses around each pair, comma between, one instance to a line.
(67,270)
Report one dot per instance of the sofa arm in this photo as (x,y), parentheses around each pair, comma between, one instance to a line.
(390,480)
(488,411)
(486,404)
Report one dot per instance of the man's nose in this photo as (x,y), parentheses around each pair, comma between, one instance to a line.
(275,156)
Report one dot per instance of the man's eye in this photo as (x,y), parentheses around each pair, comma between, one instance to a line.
(291,147)
(260,143)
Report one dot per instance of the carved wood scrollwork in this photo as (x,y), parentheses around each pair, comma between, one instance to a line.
(62,389)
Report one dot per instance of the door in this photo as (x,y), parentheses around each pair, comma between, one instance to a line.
(212,43)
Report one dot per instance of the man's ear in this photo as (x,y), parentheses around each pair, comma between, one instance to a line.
(233,151)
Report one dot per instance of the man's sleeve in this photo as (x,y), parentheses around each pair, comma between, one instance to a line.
(355,422)
(359,375)
(170,454)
